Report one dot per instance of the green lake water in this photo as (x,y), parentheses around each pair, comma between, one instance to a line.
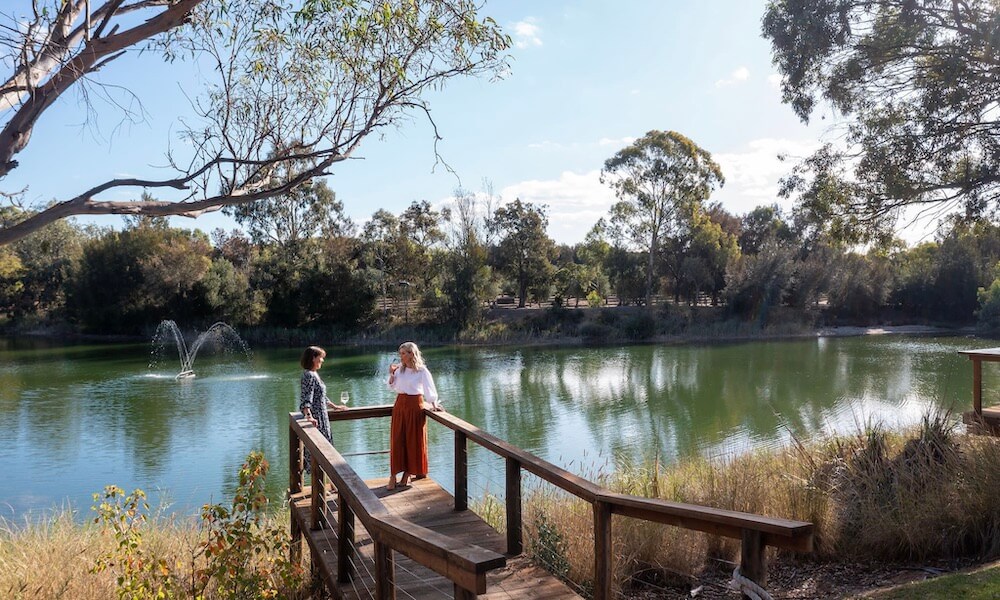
(74,418)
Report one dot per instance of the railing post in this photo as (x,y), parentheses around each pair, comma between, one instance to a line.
(345,540)
(977,386)
(461,471)
(318,494)
(753,558)
(603,556)
(515,543)
(385,575)
(294,487)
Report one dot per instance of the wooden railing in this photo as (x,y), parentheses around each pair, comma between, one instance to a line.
(464,564)
(756,532)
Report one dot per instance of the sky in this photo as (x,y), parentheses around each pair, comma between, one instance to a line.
(587,78)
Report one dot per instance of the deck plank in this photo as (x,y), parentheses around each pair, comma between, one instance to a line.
(426,504)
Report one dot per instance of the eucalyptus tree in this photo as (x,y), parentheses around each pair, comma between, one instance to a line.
(468,281)
(46,260)
(423,237)
(660,180)
(326,73)
(525,249)
(917,82)
(380,250)
(307,211)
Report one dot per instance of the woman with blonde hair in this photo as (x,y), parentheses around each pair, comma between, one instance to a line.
(413,384)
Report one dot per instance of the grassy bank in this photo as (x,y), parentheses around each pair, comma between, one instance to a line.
(983,584)
(876,496)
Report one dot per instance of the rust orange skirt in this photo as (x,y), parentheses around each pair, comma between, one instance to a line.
(408,436)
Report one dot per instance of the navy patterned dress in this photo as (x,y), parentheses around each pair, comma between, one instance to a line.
(313,397)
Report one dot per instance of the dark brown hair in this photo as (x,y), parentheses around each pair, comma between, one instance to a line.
(310,355)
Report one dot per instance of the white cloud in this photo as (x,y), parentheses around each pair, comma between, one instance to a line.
(563,146)
(774,80)
(575,202)
(752,175)
(738,76)
(527,33)
(619,142)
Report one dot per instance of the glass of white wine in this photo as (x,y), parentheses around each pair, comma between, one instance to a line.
(345,397)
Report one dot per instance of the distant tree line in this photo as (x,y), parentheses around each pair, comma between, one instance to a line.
(303,264)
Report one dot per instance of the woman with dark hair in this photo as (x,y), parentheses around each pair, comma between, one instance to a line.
(313,402)
(413,384)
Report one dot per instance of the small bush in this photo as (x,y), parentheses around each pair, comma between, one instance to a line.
(242,554)
(639,327)
(596,332)
(594,299)
(607,316)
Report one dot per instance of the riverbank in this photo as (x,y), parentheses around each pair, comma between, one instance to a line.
(536,326)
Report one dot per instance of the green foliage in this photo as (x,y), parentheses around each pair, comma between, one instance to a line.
(901,71)
(860,286)
(47,259)
(11,272)
(548,547)
(594,299)
(308,210)
(525,249)
(757,283)
(660,180)
(243,556)
(597,333)
(988,315)
(640,326)
(140,573)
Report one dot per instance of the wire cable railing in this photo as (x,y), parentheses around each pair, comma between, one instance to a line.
(515,505)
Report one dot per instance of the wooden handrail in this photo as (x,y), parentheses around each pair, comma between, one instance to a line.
(786,533)
(464,564)
(559,477)
(755,531)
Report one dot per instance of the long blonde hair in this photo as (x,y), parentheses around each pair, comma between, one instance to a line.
(418,359)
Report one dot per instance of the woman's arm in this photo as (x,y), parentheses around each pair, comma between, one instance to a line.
(430,390)
(306,396)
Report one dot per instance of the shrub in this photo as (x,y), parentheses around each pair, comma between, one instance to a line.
(141,574)
(596,332)
(641,326)
(243,555)
(988,315)
(594,299)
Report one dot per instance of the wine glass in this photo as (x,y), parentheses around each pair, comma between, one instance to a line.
(345,397)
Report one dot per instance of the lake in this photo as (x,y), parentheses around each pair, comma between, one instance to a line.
(74,418)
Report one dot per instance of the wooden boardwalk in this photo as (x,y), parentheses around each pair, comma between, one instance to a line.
(426,504)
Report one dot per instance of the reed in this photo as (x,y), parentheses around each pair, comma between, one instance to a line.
(927,493)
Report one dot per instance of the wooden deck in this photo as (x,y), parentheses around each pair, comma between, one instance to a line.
(428,505)
(981,419)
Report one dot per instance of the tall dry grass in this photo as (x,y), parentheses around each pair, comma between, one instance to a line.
(877,494)
(51,558)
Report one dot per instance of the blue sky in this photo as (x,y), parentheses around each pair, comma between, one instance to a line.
(587,77)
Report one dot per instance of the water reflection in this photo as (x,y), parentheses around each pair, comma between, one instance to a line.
(74,418)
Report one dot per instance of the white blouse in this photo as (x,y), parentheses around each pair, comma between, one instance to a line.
(416,382)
